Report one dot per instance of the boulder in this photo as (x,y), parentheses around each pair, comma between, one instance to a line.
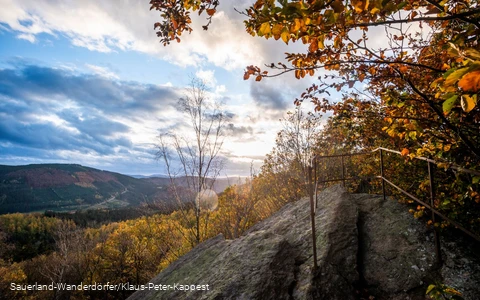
(273,260)
(366,247)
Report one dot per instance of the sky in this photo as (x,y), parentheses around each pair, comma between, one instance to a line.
(88,82)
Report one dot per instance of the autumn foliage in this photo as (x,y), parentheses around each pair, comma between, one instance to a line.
(408,73)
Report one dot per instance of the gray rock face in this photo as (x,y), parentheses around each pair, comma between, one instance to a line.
(365,246)
(396,253)
(461,267)
(273,260)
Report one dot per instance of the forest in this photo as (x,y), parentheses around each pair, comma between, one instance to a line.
(416,94)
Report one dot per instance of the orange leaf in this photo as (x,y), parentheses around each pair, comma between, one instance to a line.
(313,46)
(470,82)
(258,78)
(246,76)
(361,77)
(297,74)
(211,11)
(405,152)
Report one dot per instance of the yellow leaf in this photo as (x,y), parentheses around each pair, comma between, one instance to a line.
(468,103)
(360,5)
(456,75)
(277,31)
(264,29)
(297,25)
(374,11)
(475,54)
(320,42)
(285,36)
(470,82)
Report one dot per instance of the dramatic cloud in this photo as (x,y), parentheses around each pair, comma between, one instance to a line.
(60,115)
(83,108)
(268,96)
(45,108)
(48,88)
(109,26)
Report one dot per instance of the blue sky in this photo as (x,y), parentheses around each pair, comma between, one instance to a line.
(88,82)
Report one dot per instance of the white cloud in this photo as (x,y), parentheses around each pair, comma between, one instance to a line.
(220,89)
(207,76)
(28,37)
(107,26)
(127,25)
(102,71)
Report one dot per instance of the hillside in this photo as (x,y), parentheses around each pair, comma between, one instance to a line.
(67,187)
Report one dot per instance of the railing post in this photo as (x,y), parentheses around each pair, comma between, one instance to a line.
(312,217)
(343,172)
(438,252)
(381,174)
(316,183)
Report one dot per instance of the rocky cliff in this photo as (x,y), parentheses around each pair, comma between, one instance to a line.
(366,247)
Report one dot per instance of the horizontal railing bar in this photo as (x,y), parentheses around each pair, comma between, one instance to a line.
(450,165)
(350,179)
(346,154)
(457,225)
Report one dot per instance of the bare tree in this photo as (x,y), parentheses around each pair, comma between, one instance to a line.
(192,160)
(296,146)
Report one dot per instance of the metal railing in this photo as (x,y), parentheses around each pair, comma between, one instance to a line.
(434,212)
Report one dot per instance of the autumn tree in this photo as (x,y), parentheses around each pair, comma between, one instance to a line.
(425,68)
(419,59)
(192,160)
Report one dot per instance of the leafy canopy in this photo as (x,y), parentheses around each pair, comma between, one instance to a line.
(426,73)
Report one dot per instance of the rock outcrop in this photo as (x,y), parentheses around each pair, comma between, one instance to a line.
(366,246)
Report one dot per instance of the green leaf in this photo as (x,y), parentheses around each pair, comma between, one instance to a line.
(449,103)
(402,5)
(430,288)
(476,179)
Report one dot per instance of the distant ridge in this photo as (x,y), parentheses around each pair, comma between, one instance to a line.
(71,187)
(68,187)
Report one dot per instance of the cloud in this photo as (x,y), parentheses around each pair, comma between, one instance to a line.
(47,87)
(29,37)
(267,96)
(207,76)
(232,130)
(102,71)
(60,115)
(109,26)
(54,109)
